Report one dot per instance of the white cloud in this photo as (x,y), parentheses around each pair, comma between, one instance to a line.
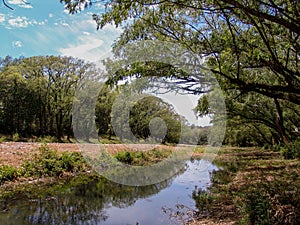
(50,15)
(2,18)
(90,44)
(23,22)
(20,3)
(66,11)
(34,22)
(87,48)
(19,22)
(17,44)
(99,5)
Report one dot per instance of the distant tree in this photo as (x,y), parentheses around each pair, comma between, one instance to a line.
(37,94)
(163,117)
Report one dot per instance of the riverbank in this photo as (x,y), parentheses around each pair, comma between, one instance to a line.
(25,163)
(254,186)
(15,153)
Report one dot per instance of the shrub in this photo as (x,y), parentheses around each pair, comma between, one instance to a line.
(139,158)
(48,163)
(3,139)
(72,161)
(124,157)
(203,199)
(258,208)
(8,173)
(16,137)
(47,139)
(292,150)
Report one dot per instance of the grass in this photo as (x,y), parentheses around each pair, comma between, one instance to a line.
(254,186)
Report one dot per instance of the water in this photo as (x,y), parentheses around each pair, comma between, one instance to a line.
(99,201)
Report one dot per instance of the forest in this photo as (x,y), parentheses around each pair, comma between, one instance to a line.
(37,96)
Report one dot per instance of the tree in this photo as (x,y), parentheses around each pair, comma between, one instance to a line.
(153,117)
(251,47)
(37,94)
(237,38)
(104,104)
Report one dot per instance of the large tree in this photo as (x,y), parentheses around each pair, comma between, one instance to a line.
(239,38)
(251,47)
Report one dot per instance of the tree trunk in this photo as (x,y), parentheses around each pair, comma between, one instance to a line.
(279,123)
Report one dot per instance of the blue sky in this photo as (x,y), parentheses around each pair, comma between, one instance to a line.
(44,27)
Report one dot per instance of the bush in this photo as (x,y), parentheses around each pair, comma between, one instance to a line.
(46,162)
(47,139)
(49,163)
(139,158)
(8,173)
(291,151)
(258,208)
(3,139)
(203,199)
(72,162)
(124,157)
(16,137)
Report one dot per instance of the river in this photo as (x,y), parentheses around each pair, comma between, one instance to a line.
(99,201)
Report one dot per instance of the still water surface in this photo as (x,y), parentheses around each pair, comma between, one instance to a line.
(100,201)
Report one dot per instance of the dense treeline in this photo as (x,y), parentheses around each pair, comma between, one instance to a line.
(37,94)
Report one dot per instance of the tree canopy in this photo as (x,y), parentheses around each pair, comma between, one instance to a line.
(37,94)
(251,47)
(240,39)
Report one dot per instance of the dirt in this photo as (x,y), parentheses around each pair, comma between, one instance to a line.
(14,153)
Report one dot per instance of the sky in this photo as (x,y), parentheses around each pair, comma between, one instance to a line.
(44,27)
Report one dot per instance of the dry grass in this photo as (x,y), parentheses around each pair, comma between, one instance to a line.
(254,187)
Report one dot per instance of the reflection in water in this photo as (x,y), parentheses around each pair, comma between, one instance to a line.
(99,201)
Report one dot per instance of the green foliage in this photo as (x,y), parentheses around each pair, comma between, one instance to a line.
(292,150)
(139,158)
(146,111)
(37,93)
(8,173)
(124,157)
(251,47)
(3,139)
(44,163)
(72,162)
(47,139)
(258,207)
(202,107)
(48,163)
(16,137)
